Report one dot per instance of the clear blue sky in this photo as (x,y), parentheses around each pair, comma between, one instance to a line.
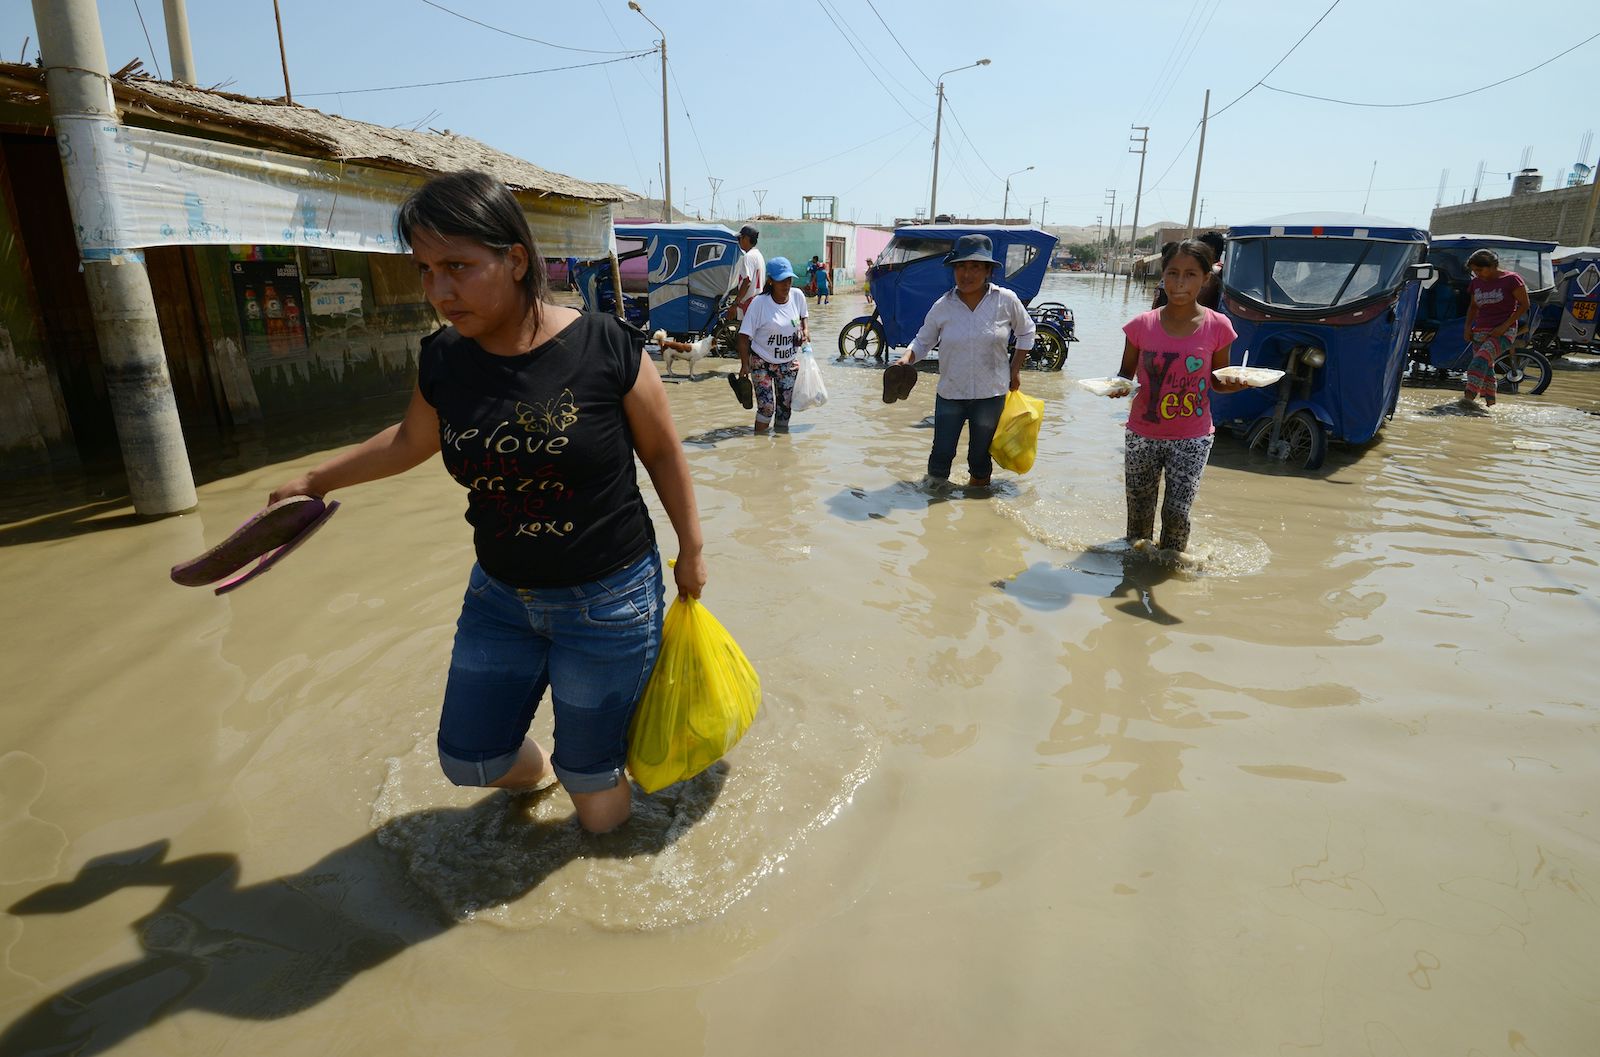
(774,97)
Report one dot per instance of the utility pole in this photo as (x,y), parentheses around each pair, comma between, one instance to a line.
(760,196)
(283,56)
(1205,115)
(1370,178)
(938,124)
(1005,205)
(715,182)
(1111,215)
(666,142)
(1042,206)
(129,336)
(1122,209)
(178,49)
(1143,141)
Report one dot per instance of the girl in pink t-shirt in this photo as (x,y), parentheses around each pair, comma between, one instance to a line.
(1496,301)
(1174,349)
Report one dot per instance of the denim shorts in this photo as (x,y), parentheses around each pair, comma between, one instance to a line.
(593,646)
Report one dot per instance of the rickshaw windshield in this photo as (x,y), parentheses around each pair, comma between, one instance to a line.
(1289,272)
(903,249)
(1534,266)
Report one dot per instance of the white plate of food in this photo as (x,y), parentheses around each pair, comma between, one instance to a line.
(1254,377)
(1107,386)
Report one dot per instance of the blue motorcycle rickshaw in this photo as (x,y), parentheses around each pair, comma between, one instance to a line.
(691,266)
(1439,350)
(910,275)
(1567,321)
(1329,299)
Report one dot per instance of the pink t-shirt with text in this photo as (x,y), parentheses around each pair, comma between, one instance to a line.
(1496,300)
(1173,401)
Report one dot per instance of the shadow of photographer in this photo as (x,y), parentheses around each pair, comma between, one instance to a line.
(276,948)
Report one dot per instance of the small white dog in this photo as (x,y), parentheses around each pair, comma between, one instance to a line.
(681,350)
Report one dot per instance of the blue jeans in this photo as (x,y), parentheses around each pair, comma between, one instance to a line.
(981,417)
(593,646)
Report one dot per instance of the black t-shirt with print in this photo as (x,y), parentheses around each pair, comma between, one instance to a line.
(542,445)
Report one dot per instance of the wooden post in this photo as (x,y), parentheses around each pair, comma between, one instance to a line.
(616,286)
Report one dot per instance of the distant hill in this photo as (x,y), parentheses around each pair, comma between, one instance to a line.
(1069,233)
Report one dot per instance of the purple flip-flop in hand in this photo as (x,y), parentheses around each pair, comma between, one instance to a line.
(269,535)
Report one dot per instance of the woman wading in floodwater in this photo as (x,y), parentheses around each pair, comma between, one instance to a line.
(539,411)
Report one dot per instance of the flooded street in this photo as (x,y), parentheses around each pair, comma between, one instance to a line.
(1332,792)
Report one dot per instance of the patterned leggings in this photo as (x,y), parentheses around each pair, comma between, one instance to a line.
(774,386)
(1182,461)
(1480,374)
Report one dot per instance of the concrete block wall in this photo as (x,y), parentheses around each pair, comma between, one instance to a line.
(1552,216)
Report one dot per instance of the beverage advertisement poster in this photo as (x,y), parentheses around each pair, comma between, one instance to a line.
(271,309)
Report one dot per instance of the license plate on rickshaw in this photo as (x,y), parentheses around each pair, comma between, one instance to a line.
(1584,311)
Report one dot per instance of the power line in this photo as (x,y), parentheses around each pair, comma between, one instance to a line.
(490,77)
(860,40)
(1169,65)
(968,138)
(690,117)
(519,36)
(909,141)
(848,150)
(902,47)
(868,67)
(1261,81)
(1188,56)
(1442,98)
(147,42)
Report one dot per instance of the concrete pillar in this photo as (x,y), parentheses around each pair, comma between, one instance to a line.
(178,49)
(142,403)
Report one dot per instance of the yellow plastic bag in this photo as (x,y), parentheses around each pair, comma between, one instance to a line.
(1016,439)
(700,700)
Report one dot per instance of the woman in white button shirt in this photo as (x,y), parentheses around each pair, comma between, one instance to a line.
(972,326)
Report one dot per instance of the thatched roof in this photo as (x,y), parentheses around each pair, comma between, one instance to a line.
(311,133)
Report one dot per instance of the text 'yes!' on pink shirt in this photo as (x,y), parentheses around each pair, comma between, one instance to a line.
(1173,401)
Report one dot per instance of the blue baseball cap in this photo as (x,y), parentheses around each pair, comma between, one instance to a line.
(779,269)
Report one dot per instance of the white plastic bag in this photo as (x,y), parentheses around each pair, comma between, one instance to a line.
(809,391)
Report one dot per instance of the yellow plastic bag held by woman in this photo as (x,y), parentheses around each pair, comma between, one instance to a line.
(700,700)
(1016,439)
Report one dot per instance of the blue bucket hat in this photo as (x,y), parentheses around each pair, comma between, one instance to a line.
(779,269)
(972,248)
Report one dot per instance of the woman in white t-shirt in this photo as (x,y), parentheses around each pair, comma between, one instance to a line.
(770,339)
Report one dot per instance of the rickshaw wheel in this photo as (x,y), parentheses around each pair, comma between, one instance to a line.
(862,336)
(1049,350)
(1524,371)
(1301,440)
(724,337)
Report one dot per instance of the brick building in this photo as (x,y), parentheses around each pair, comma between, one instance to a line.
(1552,216)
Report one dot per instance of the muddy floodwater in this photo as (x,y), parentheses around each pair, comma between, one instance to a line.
(1333,792)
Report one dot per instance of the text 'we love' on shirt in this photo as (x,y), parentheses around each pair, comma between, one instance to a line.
(542,444)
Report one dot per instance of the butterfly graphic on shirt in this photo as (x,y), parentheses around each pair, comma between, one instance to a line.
(551,416)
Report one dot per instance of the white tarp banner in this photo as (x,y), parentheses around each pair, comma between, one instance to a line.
(135,187)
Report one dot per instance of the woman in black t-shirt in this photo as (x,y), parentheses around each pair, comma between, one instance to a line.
(538,411)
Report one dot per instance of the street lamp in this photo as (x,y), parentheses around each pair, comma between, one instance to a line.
(938,123)
(1007,204)
(666,144)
